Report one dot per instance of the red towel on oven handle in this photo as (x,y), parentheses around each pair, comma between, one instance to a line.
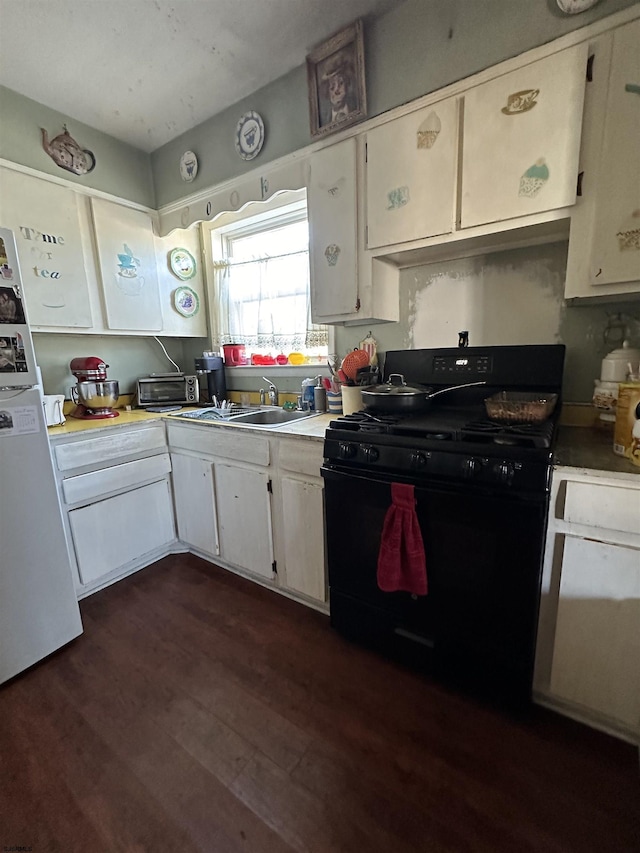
(401,559)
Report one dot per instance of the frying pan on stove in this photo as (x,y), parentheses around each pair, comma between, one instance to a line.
(396,396)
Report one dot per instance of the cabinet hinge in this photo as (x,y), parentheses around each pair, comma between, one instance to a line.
(274,567)
(269,487)
(590,62)
(579,187)
(366,152)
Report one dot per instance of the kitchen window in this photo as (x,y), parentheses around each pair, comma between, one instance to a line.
(259,280)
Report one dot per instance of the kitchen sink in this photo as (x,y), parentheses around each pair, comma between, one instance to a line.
(265,417)
(270,417)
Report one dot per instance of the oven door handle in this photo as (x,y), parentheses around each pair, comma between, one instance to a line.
(534,499)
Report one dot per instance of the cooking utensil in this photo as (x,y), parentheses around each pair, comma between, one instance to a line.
(521,407)
(352,361)
(396,396)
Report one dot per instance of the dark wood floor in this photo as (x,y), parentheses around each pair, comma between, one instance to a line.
(201,712)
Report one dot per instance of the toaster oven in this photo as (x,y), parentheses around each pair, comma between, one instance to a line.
(166,389)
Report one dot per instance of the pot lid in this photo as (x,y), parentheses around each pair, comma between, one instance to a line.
(395,387)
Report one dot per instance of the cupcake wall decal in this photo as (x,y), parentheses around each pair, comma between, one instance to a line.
(332,253)
(629,234)
(429,130)
(534,179)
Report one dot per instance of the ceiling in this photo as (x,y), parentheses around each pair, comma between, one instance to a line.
(146,71)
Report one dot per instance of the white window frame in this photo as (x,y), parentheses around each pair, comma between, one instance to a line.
(290,205)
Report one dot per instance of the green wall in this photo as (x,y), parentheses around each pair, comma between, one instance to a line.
(417,48)
(120,169)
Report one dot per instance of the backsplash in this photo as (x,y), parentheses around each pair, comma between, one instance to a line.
(510,297)
(127,357)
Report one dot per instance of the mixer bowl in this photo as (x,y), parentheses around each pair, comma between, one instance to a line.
(97,395)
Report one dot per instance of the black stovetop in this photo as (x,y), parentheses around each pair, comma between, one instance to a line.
(455,425)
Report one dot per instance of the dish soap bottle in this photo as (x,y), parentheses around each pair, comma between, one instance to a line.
(307,393)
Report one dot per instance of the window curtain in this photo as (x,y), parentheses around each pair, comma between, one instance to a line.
(264,303)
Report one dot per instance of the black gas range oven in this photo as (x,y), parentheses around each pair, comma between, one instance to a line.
(481,490)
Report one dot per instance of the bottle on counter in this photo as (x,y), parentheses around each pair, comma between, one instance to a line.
(319,396)
(307,393)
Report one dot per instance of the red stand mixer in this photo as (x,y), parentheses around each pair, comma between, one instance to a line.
(94,395)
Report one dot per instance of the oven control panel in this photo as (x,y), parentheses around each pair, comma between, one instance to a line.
(462,365)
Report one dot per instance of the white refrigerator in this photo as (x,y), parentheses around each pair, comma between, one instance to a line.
(38,607)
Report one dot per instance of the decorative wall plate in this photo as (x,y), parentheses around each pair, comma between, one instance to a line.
(186,301)
(249,135)
(188,166)
(182,263)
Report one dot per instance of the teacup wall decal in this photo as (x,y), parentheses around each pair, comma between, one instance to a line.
(521,102)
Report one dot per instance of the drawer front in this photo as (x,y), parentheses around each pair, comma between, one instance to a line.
(220,441)
(86,487)
(303,457)
(115,445)
(109,534)
(603,506)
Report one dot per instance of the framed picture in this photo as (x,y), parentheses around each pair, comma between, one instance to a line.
(335,74)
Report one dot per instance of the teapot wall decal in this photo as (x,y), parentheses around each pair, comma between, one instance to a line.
(66,153)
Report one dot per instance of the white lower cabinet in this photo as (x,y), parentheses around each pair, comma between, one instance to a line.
(195,502)
(244,518)
(303,539)
(115,490)
(252,503)
(589,634)
(110,534)
(596,657)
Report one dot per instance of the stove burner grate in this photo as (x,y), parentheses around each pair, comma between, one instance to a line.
(525,435)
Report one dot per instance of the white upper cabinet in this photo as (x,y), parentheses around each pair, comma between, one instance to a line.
(347,285)
(97,267)
(333,231)
(127,264)
(604,248)
(44,217)
(411,175)
(521,140)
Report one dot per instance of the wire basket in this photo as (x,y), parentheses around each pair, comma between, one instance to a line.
(520,407)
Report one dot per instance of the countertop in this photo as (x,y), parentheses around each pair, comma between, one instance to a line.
(588,448)
(312,428)
(592,449)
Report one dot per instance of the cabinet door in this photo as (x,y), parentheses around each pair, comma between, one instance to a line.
(195,502)
(46,222)
(333,231)
(303,527)
(616,231)
(522,138)
(243,510)
(411,172)
(597,642)
(127,261)
(109,534)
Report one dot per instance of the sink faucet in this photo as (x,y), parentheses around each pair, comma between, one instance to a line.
(273,392)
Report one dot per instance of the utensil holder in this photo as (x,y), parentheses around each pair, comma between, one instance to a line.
(334,402)
(351,399)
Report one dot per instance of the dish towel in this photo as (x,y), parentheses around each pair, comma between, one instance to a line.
(401,560)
